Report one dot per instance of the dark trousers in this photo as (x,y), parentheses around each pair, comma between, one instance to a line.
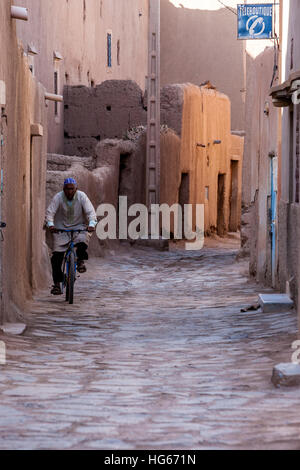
(57,259)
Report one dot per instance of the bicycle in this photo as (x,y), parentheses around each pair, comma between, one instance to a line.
(70,266)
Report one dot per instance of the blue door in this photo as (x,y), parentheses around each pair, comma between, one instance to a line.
(273,172)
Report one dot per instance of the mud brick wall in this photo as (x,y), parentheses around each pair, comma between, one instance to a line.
(25,266)
(106,111)
(171,105)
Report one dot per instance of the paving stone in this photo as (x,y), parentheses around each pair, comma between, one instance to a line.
(160,245)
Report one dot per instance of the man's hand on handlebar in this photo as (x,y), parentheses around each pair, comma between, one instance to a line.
(53,229)
(91,229)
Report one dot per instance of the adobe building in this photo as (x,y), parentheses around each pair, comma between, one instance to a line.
(199,43)
(24,257)
(285,96)
(271,217)
(271,188)
(83,42)
(201,162)
(260,176)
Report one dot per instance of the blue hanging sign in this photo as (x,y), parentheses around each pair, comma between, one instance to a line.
(255,21)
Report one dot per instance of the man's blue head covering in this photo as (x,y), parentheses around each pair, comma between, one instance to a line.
(70,181)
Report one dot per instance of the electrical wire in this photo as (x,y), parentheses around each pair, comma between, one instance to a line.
(275,68)
(228,8)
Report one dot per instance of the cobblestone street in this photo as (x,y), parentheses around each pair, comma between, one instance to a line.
(155,354)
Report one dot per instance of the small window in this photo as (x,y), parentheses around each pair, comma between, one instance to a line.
(56,92)
(109,41)
(31,63)
(292,54)
(84,10)
(207,193)
(118,52)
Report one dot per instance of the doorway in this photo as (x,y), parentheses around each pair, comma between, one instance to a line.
(125,183)
(125,174)
(221,205)
(234,222)
(184,197)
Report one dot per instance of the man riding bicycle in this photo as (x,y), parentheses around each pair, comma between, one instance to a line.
(69,210)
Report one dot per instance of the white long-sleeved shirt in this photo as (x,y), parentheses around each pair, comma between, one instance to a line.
(75,214)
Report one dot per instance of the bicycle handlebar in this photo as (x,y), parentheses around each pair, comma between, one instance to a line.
(70,231)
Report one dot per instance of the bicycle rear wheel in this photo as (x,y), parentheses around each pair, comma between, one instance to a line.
(70,279)
(67,288)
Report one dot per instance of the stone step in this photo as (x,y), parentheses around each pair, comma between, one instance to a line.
(287,375)
(275,302)
(13,328)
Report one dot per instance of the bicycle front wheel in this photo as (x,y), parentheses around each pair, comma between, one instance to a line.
(71,279)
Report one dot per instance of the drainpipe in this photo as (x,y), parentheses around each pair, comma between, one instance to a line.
(53,97)
(19,13)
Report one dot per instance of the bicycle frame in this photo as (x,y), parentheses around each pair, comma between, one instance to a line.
(70,249)
(66,264)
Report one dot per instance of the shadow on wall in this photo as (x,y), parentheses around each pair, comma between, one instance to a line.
(202,45)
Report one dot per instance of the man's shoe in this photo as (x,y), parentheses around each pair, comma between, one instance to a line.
(56,290)
(81,267)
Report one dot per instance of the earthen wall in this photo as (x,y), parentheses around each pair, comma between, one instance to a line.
(206,151)
(25,263)
(104,112)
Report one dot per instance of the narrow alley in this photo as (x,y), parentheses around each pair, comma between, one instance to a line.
(155,353)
